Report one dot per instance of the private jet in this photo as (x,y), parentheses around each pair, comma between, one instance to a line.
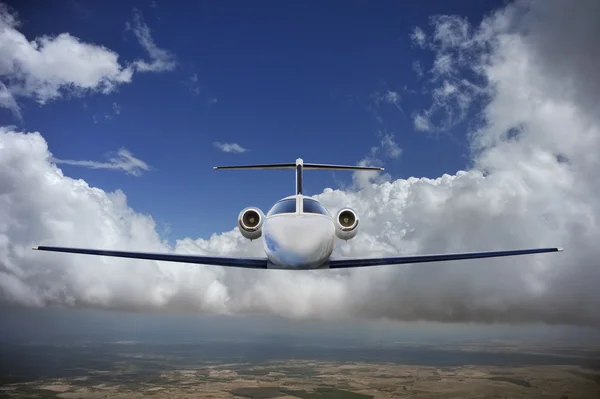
(298,233)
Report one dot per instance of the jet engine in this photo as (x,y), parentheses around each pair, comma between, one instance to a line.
(346,224)
(250,221)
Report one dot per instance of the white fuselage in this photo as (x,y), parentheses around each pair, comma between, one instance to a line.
(295,238)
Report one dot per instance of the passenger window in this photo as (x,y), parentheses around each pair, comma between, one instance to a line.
(285,206)
(311,206)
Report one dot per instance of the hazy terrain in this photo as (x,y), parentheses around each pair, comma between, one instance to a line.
(78,354)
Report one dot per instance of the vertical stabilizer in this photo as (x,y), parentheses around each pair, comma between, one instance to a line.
(299,167)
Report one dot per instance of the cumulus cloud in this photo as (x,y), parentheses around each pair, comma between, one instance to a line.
(49,67)
(123,161)
(532,182)
(230,147)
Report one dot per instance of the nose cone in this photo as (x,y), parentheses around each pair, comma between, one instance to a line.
(298,241)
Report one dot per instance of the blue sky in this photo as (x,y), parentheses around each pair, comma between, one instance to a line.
(281,79)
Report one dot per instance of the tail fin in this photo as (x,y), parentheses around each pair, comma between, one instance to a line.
(299,166)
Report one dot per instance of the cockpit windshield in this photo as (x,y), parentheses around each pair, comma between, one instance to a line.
(283,206)
(312,206)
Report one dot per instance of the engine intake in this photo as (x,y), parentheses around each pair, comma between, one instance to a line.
(250,221)
(346,224)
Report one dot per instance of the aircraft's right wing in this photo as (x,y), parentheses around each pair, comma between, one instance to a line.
(398,260)
(248,263)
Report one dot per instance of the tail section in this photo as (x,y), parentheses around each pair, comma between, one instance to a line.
(299,166)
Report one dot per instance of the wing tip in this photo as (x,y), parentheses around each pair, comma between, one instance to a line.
(35,248)
(559,249)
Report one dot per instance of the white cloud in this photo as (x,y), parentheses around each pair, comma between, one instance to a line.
(230,147)
(389,145)
(123,161)
(416,66)
(456,49)
(388,97)
(49,67)
(162,60)
(519,193)
(7,100)
(116,110)
(193,85)
(451,31)
(391,97)
(387,148)
(421,122)
(418,37)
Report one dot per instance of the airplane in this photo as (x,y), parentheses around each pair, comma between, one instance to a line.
(298,233)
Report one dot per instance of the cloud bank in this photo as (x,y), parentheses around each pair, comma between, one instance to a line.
(532,182)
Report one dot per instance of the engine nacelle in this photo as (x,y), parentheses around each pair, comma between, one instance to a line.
(250,221)
(346,224)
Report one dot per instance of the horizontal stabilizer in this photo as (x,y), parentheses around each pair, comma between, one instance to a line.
(322,166)
(299,166)
(312,166)
(264,166)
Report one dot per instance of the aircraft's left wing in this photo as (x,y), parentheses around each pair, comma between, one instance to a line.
(249,263)
(398,260)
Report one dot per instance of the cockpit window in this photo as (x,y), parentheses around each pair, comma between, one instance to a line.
(312,206)
(284,206)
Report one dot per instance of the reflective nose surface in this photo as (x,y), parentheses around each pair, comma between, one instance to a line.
(298,241)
